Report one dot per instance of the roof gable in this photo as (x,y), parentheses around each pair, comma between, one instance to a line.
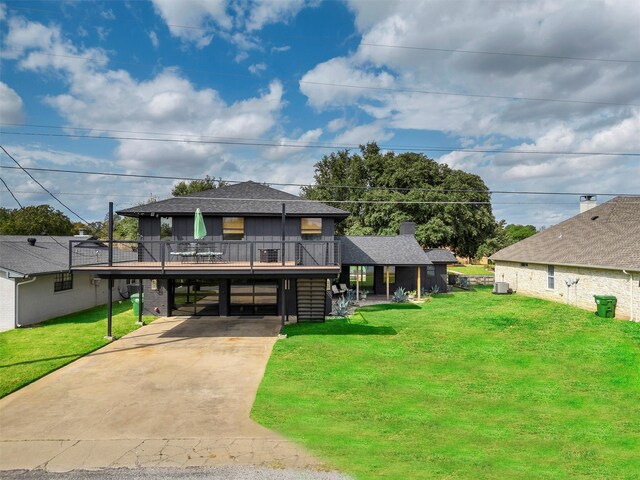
(607,236)
(246,198)
(381,250)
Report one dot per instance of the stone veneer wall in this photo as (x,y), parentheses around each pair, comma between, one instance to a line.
(532,280)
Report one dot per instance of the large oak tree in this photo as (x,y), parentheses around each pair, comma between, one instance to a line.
(375,184)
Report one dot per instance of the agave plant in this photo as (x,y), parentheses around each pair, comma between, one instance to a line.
(341,308)
(399,296)
(435,290)
(350,296)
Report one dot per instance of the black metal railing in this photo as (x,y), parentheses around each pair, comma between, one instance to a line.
(163,253)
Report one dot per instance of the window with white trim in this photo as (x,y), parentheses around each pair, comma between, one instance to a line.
(551,280)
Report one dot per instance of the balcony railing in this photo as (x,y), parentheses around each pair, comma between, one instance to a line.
(172,254)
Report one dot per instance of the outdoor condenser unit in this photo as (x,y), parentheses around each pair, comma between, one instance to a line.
(501,288)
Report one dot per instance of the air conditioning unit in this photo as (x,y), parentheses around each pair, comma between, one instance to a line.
(501,288)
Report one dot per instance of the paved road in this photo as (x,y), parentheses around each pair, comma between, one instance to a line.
(215,473)
(176,393)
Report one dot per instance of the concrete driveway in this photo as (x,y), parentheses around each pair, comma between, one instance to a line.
(175,393)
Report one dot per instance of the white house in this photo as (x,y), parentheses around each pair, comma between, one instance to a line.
(597,252)
(35,282)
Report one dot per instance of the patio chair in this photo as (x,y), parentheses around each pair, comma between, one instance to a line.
(343,288)
(335,291)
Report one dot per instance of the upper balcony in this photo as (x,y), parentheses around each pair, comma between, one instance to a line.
(170,257)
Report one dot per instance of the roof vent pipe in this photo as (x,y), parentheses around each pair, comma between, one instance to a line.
(31,241)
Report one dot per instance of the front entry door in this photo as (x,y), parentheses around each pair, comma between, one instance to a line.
(253,297)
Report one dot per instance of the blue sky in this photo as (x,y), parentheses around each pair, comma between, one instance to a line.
(293,71)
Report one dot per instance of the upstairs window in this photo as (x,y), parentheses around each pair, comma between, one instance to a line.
(311,228)
(166,228)
(63,281)
(551,281)
(233,228)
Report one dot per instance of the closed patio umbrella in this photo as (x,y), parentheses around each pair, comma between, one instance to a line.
(199,230)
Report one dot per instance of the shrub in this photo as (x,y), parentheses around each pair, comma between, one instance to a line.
(341,308)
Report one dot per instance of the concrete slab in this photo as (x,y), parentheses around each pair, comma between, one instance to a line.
(175,393)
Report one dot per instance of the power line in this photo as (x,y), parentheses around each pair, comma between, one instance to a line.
(354,187)
(42,186)
(265,143)
(508,54)
(332,201)
(9,190)
(473,95)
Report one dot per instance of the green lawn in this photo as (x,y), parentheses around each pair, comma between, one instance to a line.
(27,354)
(468,386)
(470,270)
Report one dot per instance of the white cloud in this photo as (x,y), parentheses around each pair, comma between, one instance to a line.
(341,71)
(285,151)
(284,48)
(265,12)
(189,20)
(363,134)
(153,36)
(336,124)
(108,14)
(257,68)
(10,105)
(105,99)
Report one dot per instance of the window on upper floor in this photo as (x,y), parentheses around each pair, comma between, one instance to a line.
(166,228)
(63,281)
(551,280)
(311,228)
(233,228)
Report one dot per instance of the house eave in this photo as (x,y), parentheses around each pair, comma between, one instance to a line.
(576,265)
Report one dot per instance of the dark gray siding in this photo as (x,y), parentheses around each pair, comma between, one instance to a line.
(156,301)
(149,229)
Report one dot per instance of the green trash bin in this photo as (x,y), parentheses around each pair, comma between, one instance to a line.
(137,304)
(605,305)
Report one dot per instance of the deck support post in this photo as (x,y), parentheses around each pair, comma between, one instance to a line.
(110,234)
(418,289)
(140,305)
(283,306)
(284,221)
(109,308)
(387,280)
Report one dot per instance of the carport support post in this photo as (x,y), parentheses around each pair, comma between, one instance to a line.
(140,304)
(283,308)
(388,268)
(357,283)
(109,309)
(419,282)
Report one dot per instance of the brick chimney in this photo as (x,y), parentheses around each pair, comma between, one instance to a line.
(408,228)
(587,202)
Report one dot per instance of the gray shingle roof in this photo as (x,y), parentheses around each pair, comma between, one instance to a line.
(373,250)
(48,255)
(246,198)
(607,236)
(441,255)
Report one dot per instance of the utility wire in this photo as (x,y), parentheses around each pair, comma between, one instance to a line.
(508,54)
(455,94)
(9,190)
(265,143)
(353,187)
(42,186)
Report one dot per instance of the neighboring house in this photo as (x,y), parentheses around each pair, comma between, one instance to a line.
(266,252)
(35,281)
(597,252)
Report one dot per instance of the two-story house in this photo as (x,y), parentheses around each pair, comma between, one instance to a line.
(265,252)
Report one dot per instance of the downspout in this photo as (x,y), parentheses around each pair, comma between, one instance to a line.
(17,320)
(630,291)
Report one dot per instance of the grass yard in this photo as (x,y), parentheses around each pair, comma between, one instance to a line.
(27,354)
(468,386)
(471,270)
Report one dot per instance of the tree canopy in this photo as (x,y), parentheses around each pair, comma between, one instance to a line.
(35,220)
(186,188)
(503,236)
(369,177)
